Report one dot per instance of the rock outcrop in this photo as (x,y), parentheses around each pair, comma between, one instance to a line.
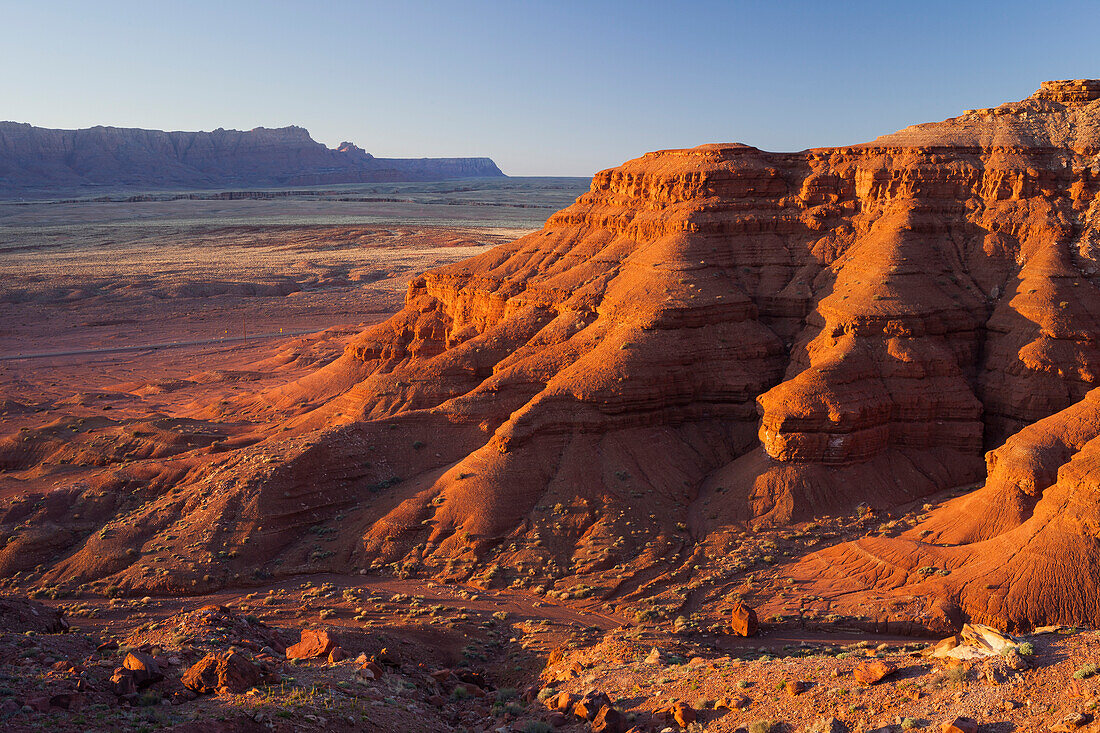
(37,159)
(712,339)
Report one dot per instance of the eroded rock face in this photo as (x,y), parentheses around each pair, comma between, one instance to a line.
(710,338)
(1019,552)
(890,310)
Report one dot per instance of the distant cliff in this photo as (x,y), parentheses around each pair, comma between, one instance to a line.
(41,159)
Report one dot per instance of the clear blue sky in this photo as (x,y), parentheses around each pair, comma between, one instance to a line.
(551,88)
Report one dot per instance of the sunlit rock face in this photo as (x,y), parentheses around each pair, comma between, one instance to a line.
(719,337)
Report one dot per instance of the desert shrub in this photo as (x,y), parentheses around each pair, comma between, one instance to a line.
(537,726)
(956,675)
(761,726)
(1027,649)
(1087,671)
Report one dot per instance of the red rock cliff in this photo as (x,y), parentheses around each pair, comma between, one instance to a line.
(720,335)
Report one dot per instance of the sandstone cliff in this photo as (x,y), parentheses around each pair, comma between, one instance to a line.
(712,339)
(36,158)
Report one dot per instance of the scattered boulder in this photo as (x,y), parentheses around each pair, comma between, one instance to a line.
(960,725)
(975,641)
(145,668)
(608,720)
(226,672)
(337,655)
(733,703)
(655,656)
(590,705)
(795,687)
(314,643)
(179,697)
(565,701)
(1072,722)
(122,682)
(827,725)
(388,658)
(1015,661)
(743,620)
(71,701)
(869,673)
(370,671)
(680,712)
(8,708)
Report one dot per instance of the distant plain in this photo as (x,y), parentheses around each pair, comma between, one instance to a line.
(109,294)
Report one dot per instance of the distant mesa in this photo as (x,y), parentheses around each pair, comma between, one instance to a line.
(42,159)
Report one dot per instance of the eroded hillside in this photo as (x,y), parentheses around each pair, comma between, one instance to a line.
(709,341)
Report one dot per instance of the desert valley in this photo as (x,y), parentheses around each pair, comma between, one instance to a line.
(720,440)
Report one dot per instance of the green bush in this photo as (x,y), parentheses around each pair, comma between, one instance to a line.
(1087,671)
(537,726)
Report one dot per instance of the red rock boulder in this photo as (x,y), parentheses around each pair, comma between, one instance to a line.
(869,673)
(960,725)
(227,672)
(145,668)
(314,643)
(743,621)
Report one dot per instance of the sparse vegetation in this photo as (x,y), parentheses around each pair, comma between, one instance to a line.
(1088,670)
(537,726)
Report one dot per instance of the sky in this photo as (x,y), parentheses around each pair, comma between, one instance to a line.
(563,88)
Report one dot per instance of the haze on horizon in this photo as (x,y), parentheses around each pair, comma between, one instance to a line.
(565,88)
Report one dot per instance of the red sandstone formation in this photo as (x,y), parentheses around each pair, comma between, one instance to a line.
(743,620)
(709,339)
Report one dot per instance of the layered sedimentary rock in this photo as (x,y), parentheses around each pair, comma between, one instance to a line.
(37,158)
(713,338)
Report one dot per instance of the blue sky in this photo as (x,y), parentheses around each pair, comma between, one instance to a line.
(553,88)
